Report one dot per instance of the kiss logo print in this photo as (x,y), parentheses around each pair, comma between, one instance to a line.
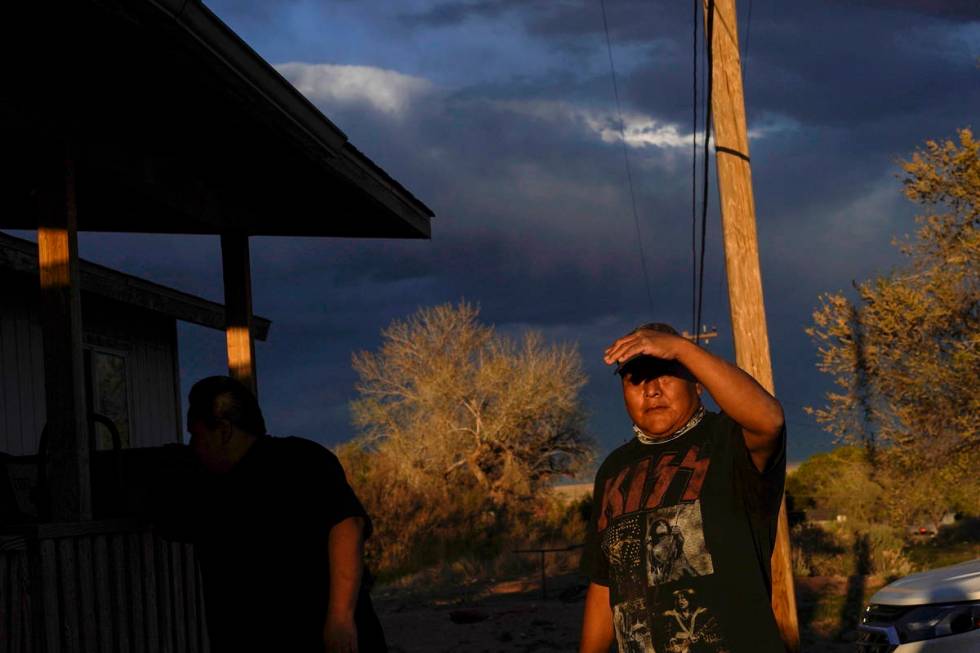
(645,484)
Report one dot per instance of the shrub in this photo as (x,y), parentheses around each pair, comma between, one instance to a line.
(885,551)
(455,530)
(962,530)
(846,550)
(817,551)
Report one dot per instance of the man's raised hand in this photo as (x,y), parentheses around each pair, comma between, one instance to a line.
(645,342)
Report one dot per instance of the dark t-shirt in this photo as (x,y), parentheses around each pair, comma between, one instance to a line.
(682,533)
(261,536)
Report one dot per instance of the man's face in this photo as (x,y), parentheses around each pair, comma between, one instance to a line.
(660,397)
(209,444)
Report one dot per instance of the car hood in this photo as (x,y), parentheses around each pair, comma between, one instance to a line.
(944,585)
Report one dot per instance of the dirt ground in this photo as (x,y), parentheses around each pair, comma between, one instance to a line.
(506,617)
(512,617)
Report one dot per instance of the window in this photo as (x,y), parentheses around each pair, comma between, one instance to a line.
(110,396)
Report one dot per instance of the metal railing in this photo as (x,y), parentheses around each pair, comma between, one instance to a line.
(98,586)
(541,553)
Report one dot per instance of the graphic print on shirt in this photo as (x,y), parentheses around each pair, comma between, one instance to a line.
(674,545)
(689,627)
(623,547)
(632,629)
(652,535)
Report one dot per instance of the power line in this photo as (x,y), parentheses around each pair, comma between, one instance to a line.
(694,172)
(626,158)
(709,62)
(745,44)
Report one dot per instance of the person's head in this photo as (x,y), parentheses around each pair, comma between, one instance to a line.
(682,598)
(660,395)
(224,419)
(665,543)
(659,530)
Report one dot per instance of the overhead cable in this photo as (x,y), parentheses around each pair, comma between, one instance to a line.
(694,172)
(626,158)
(708,35)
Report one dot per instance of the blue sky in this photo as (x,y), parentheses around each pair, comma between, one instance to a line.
(500,116)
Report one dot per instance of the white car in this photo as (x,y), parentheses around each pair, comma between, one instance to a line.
(933,611)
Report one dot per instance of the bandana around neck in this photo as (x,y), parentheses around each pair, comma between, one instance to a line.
(691,423)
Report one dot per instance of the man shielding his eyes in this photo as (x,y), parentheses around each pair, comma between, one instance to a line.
(687,507)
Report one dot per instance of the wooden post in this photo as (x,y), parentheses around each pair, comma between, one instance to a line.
(238,308)
(742,262)
(68,472)
(544,579)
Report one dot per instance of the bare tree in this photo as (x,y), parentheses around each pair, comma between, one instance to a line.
(447,398)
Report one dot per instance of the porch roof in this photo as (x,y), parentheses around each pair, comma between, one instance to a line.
(176,125)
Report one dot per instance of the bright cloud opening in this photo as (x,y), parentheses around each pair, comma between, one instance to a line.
(386,91)
(639,130)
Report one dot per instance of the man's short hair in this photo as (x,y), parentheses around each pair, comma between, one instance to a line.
(662,327)
(224,398)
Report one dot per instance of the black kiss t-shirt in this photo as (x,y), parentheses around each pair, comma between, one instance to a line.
(682,533)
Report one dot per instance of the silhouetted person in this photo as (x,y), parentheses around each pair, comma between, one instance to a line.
(278,531)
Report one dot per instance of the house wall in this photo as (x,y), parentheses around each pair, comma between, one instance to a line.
(21,367)
(147,340)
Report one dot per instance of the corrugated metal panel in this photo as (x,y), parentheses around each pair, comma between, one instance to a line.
(150,346)
(15,605)
(37,374)
(115,588)
(155,410)
(21,370)
(9,404)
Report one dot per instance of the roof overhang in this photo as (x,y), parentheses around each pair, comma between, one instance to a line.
(177,126)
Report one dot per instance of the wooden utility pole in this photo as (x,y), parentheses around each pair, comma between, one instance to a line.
(742,260)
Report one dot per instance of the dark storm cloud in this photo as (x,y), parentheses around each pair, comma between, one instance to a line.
(252,9)
(842,64)
(640,20)
(859,66)
(514,191)
(499,180)
(485,248)
(840,81)
(445,14)
(953,10)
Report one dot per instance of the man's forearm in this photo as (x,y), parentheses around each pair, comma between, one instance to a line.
(345,546)
(597,623)
(346,549)
(734,390)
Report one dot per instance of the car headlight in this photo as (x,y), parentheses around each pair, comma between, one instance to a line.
(931,621)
